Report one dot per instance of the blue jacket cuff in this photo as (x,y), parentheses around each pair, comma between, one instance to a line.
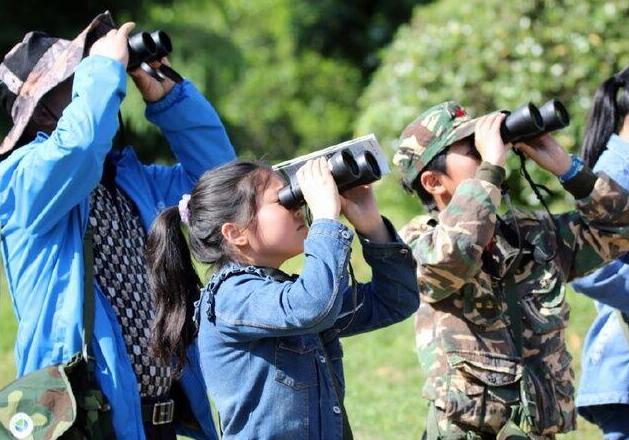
(176,94)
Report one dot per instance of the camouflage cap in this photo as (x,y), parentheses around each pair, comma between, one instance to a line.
(428,135)
(35,66)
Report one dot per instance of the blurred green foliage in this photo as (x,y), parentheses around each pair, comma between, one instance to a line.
(285,75)
(498,54)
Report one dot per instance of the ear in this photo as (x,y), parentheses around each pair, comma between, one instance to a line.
(432,181)
(235,235)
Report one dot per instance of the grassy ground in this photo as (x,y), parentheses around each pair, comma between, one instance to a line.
(383,377)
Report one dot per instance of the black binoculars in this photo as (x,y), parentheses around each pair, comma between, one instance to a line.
(145,47)
(528,121)
(348,171)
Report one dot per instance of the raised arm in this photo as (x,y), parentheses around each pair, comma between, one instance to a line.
(610,284)
(448,253)
(255,307)
(53,174)
(192,128)
(390,297)
(598,231)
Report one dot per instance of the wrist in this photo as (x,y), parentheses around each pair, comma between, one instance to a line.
(374,230)
(324,215)
(496,160)
(569,168)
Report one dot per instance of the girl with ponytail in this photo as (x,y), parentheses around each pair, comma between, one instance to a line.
(269,341)
(603,395)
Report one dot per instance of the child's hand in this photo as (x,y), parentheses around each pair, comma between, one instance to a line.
(548,154)
(319,189)
(151,89)
(488,140)
(114,44)
(359,208)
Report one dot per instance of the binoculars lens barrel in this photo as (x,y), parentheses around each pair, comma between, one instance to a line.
(555,115)
(525,122)
(145,47)
(348,172)
(162,42)
(141,48)
(369,169)
(344,168)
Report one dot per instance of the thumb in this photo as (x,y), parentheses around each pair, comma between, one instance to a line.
(126,29)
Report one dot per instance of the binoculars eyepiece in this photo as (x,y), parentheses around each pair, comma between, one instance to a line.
(528,121)
(348,171)
(146,47)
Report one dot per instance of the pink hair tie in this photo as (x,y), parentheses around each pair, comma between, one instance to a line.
(184,212)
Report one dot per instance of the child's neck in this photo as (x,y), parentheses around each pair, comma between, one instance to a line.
(246,258)
(624,130)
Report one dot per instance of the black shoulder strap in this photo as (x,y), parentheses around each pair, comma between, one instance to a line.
(88,292)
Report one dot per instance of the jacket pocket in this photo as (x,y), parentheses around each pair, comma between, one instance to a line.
(295,364)
(548,403)
(481,387)
(545,306)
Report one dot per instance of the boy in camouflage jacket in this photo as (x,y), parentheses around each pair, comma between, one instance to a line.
(490,329)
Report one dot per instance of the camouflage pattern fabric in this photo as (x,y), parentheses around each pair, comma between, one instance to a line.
(428,135)
(475,375)
(58,402)
(39,406)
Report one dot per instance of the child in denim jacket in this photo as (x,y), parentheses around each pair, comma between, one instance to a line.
(269,342)
(603,394)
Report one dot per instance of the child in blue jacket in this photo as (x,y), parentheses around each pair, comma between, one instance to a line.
(269,341)
(59,174)
(603,395)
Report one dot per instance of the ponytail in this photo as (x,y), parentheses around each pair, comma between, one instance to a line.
(605,117)
(225,194)
(175,286)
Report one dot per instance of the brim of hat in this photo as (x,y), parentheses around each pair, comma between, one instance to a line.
(56,65)
(464,130)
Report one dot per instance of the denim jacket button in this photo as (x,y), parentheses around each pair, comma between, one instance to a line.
(336,409)
(346,234)
(322,359)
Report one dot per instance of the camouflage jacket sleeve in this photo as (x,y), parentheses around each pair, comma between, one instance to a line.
(449,252)
(598,231)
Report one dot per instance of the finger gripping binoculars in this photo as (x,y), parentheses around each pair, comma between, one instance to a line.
(145,47)
(529,121)
(349,170)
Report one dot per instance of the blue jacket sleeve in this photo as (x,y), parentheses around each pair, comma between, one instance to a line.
(253,307)
(610,284)
(62,170)
(390,297)
(196,136)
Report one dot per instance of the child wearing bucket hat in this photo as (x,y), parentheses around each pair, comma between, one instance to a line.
(490,327)
(60,176)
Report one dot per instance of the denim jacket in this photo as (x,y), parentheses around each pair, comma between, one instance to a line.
(265,340)
(605,376)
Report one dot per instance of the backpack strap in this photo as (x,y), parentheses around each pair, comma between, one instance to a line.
(88,293)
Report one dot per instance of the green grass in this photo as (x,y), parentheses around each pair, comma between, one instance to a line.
(382,373)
